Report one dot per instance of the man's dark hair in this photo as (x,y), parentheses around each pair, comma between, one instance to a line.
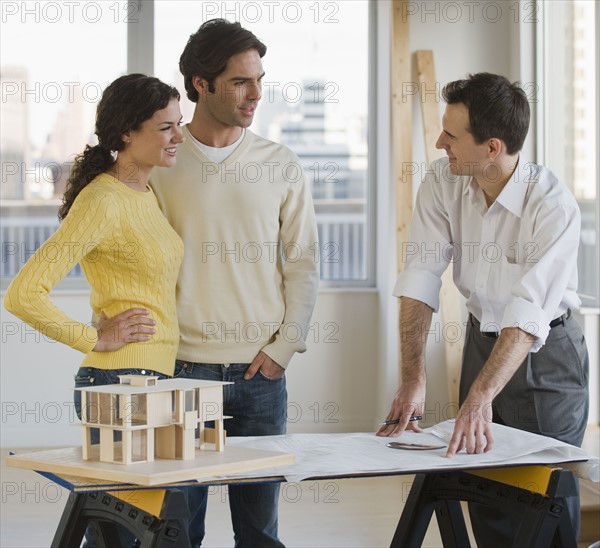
(496,107)
(209,49)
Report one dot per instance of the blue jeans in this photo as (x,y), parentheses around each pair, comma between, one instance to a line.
(90,376)
(259,408)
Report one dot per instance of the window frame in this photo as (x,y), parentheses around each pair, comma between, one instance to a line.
(541,109)
(140,58)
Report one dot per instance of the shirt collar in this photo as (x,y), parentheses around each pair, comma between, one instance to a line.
(513,194)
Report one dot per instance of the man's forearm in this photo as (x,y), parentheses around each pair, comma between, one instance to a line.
(472,428)
(508,354)
(415,320)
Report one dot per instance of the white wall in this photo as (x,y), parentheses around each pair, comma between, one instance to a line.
(332,387)
(351,381)
(36,380)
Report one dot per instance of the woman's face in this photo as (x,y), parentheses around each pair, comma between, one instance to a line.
(155,143)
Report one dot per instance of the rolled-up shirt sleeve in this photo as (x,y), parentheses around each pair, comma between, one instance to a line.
(420,285)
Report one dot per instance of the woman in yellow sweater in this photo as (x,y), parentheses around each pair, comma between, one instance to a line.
(112,225)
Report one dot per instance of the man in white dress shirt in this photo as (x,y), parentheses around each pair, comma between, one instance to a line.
(510,229)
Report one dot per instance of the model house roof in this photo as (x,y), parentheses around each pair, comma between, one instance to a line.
(164,385)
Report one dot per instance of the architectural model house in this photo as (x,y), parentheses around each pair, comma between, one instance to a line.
(144,418)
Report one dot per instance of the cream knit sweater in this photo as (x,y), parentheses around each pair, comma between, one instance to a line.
(236,295)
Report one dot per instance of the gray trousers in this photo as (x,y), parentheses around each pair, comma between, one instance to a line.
(547,395)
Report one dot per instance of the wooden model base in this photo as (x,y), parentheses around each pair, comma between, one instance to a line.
(160,471)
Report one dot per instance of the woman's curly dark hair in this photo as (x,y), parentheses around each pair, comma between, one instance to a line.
(125,104)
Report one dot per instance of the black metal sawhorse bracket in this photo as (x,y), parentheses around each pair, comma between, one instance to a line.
(165,527)
(545,523)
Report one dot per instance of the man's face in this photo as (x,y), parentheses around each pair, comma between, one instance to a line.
(237,91)
(465,155)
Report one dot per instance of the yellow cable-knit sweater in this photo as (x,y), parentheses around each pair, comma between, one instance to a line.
(130,256)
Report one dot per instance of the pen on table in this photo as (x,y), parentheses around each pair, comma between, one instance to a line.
(396,421)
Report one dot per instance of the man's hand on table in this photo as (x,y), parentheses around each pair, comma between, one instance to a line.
(473,426)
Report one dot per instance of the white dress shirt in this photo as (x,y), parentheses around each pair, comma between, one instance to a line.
(515,262)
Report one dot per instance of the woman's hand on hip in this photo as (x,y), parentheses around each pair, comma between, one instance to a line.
(130,326)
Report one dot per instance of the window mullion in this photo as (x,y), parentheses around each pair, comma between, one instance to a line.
(140,37)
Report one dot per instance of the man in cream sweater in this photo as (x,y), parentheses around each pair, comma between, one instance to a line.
(249,277)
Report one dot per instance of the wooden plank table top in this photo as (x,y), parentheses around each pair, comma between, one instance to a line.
(69,461)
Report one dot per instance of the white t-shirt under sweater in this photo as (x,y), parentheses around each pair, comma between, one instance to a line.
(235,294)
(218,155)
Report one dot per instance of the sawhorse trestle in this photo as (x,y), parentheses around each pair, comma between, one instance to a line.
(158,518)
(540,492)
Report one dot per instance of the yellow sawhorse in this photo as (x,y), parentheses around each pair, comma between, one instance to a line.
(541,492)
(157,517)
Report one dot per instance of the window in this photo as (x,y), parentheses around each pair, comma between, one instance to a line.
(569,146)
(315,101)
(56,58)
